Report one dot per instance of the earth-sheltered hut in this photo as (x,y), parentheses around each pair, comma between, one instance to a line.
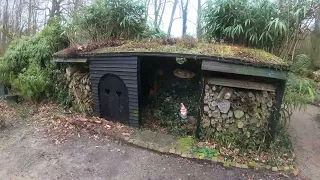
(118,72)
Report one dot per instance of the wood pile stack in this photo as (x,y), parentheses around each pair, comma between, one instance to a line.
(236,110)
(80,88)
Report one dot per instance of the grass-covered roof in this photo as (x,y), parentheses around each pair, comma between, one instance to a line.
(179,46)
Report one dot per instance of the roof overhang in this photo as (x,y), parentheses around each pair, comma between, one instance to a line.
(70,60)
(243,70)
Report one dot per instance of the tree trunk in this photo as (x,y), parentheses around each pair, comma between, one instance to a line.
(147,3)
(17,29)
(199,20)
(156,14)
(172,16)
(55,8)
(77,4)
(30,15)
(35,18)
(163,9)
(5,22)
(315,53)
(184,7)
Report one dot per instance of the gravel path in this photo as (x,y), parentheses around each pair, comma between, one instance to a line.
(25,153)
(304,130)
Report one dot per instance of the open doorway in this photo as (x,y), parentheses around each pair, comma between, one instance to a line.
(165,83)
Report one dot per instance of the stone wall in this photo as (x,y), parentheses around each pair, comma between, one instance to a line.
(237,111)
(80,88)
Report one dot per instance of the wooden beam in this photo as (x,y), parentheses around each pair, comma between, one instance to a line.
(68,60)
(243,69)
(242,84)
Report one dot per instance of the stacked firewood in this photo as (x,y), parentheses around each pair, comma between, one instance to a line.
(80,89)
(235,110)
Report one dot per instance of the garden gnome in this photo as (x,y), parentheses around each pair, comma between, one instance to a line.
(183,113)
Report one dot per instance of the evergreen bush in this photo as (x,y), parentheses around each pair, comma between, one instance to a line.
(27,66)
(108,19)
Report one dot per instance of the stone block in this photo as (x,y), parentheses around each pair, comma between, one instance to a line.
(238,165)
(252,164)
(131,141)
(226,164)
(244,166)
(178,151)
(173,151)
(214,159)
(161,149)
(274,168)
(286,168)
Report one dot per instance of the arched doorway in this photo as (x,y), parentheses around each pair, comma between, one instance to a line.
(113,98)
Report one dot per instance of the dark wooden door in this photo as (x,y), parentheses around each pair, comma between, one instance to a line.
(113,98)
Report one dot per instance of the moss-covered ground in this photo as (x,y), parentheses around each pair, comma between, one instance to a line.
(187,46)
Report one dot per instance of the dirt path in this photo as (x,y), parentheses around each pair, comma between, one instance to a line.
(25,153)
(305,132)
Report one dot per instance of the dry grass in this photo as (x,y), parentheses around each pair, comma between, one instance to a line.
(168,45)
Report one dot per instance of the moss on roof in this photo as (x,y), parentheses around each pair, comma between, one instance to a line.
(188,46)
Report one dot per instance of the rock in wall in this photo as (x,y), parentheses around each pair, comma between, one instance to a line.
(241,112)
(80,88)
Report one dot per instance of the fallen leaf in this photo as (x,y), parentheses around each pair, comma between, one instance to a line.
(107,126)
(83,120)
(126,134)
(295,171)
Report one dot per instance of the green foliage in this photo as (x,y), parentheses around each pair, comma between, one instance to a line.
(206,152)
(31,83)
(281,148)
(299,92)
(58,89)
(301,63)
(153,33)
(315,51)
(240,140)
(166,105)
(108,19)
(164,110)
(185,144)
(254,23)
(27,65)
(167,112)
(245,22)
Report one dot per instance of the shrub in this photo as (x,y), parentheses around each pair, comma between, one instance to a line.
(243,22)
(108,19)
(299,92)
(153,33)
(257,23)
(31,83)
(27,65)
(301,63)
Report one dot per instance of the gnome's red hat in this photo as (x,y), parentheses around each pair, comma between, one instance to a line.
(183,108)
